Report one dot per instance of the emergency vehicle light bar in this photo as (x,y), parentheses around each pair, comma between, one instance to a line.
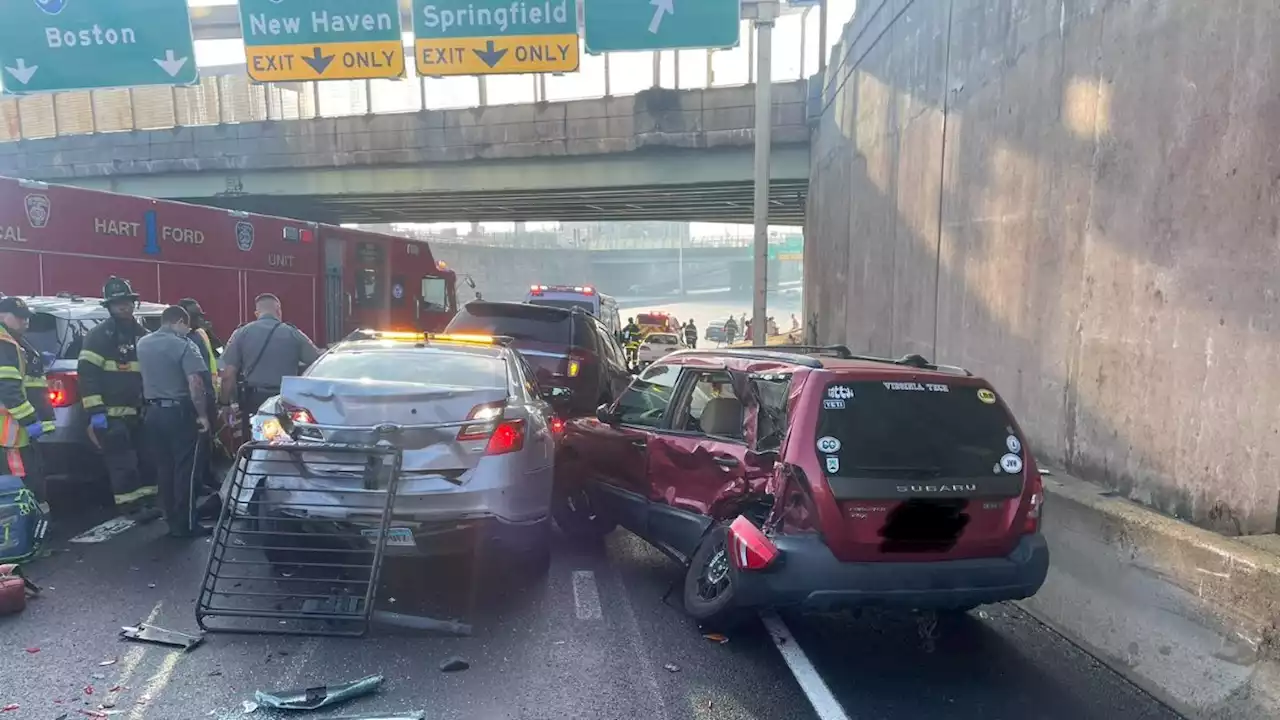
(584,289)
(425,337)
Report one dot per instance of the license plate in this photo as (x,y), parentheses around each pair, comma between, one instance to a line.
(396,537)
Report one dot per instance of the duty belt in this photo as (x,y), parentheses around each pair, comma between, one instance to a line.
(167,403)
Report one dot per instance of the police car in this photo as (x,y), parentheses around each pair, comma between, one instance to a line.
(58,327)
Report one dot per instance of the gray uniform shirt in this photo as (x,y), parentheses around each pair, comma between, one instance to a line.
(166,359)
(288,352)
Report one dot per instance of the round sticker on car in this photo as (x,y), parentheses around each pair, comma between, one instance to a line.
(1011,463)
(1014,445)
(987,396)
(828,444)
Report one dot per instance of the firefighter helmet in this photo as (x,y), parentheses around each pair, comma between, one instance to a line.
(117,289)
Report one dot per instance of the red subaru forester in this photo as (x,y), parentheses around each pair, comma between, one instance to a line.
(812,477)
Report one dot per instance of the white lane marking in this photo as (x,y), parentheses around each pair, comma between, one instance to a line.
(156,684)
(586,596)
(104,531)
(811,683)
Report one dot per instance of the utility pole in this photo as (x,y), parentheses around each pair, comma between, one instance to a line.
(762,13)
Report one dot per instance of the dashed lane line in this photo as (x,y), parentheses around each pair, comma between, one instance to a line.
(586,596)
(811,683)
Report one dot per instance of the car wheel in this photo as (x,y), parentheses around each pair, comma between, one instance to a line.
(708,583)
(576,514)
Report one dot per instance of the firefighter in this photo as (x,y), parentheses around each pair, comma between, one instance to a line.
(258,356)
(691,334)
(25,410)
(730,330)
(631,340)
(111,390)
(177,424)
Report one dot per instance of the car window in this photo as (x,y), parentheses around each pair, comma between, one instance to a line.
(528,377)
(609,346)
(645,401)
(522,322)
(584,335)
(661,339)
(711,406)
(771,421)
(916,430)
(436,367)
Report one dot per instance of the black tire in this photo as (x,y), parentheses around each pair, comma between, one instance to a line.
(708,583)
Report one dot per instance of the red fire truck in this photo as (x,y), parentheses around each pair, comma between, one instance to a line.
(331,280)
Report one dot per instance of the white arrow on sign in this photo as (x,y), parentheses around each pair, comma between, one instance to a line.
(171,64)
(22,73)
(660,8)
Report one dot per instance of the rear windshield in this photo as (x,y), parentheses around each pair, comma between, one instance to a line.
(661,339)
(64,338)
(431,367)
(566,304)
(522,322)
(915,430)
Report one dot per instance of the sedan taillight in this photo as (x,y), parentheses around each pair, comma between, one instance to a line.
(1036,504)
(508,437)
(485,417)
(64,389)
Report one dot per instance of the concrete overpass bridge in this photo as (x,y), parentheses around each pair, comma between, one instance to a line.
(661,154)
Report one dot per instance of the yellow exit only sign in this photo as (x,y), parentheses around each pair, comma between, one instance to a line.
(497,55)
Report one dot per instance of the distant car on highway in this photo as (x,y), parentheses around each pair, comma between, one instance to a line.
(568,348)
(811,477)
(715,331)
(476,431)
(58,327)
(655,346)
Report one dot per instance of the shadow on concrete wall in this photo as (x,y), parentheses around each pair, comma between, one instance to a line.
(1079,200)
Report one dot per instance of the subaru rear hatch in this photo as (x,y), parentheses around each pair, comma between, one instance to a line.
(921,467)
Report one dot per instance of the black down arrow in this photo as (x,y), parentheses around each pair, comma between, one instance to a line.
(317,61)
(490,56)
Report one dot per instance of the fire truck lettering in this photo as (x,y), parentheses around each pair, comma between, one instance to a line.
(122,228)
(183,235)
(276,260)
(12,233)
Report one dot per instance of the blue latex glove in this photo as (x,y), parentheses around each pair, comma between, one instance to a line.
(98,421)
(49,358)
(35,430)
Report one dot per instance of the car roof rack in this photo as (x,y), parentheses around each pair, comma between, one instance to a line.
(842,352)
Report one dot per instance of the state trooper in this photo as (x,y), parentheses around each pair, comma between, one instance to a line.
(111,394)
(177,417)
(202,335)
(25,410)
(259,355)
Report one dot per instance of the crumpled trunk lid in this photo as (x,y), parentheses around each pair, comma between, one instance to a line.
(422,420)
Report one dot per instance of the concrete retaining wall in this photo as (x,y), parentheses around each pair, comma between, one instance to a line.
(1189,615)
(1080,200)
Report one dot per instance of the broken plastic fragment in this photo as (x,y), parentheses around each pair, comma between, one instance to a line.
(454,664)
(318,697)
(33,650)
(716,638)
(104,663)
(672,667)
(10,707)
(160,636)
(248,706)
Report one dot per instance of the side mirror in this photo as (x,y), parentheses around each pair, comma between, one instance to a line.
(556,393)
(605,415)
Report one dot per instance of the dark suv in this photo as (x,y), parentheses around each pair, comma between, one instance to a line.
(566,348)
(811,477)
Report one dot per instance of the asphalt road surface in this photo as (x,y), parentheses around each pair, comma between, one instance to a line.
(593,639)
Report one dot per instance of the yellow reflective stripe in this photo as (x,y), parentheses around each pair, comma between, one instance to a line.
(35,382)
(121,411)
(113,366)
(22,411)
(142,492)
(49,425)
(92,358)
(10,373)
(92,401)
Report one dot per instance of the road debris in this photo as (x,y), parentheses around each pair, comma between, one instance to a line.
(10,708)
(33,650)
(105,663)
(454,664)
(317,697)
(159,636)
(672,667)
(420,622)
(88,689)
(716,638)
(249,706)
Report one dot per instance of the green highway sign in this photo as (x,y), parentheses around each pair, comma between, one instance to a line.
(53,45)
(621,25)
(788,247)
(291,40)
(495,37)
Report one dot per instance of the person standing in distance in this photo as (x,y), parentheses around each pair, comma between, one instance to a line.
(111,393)
(259,355)
(25,410)
(177,417)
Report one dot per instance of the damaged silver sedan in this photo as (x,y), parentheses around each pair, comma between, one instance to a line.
(477,439)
